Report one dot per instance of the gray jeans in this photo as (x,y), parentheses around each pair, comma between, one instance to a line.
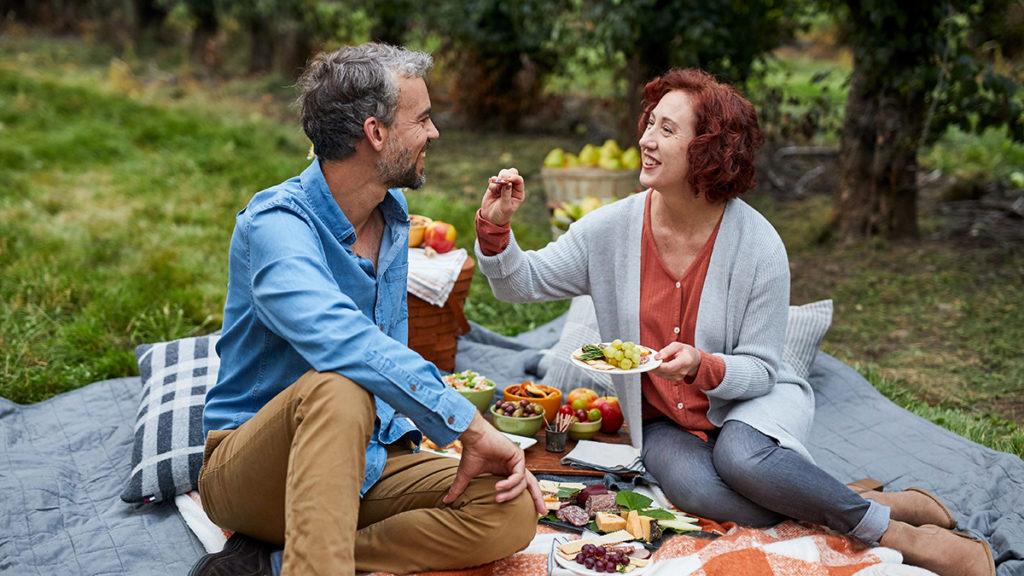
(744,476)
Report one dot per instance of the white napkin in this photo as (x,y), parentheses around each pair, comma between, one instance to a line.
(210,535)
(605,457)
(432,278)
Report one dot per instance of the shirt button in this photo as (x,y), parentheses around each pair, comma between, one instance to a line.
(451,419)
(679,406)
(413,387)
(678,285)
(676,329)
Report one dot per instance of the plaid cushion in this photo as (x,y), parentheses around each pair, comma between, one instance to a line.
(169,441)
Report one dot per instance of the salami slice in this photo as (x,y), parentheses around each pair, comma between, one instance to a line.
(573,515)
(601,503)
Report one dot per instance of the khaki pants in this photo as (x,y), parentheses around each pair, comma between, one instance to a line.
(291,475)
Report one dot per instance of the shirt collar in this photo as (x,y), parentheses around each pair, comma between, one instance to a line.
(393,207)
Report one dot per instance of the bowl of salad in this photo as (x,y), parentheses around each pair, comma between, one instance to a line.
(475,388)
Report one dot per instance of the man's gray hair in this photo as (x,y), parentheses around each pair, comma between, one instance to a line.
(341,89)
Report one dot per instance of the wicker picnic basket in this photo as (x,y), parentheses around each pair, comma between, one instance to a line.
(575,184)
(433,330)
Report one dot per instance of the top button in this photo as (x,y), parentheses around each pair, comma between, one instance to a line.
(678,285)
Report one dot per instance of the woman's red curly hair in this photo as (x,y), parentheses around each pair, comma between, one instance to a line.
(721,156)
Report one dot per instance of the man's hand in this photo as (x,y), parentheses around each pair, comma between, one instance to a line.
(485,450)
(505,193)
(678,361)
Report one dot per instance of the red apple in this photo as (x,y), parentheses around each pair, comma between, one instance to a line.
(586,394)
(440,236)
(611,414)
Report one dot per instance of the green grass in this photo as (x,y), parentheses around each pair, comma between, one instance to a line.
(941,317)
(117,201)
(990,429)
(115,218)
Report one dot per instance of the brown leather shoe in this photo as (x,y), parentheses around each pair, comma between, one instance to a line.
(914,506)
(942,551)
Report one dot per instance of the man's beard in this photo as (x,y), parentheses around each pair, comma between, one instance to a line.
(397,167)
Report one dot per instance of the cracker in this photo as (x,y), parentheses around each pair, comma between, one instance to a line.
(608,539)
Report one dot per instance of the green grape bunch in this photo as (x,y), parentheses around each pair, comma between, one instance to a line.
(625,355)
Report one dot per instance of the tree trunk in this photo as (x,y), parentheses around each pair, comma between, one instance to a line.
(645,63)
(878,162)
(15,9)
(493,90)
(204,50)
(261,47)
(148,14)
(296,46)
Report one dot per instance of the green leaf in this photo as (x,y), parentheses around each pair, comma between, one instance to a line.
(658,514)
(565,493)
(632,501)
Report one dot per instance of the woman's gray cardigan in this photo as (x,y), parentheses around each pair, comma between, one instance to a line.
(742,318)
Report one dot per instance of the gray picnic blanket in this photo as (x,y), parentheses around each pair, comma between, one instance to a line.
(66,460)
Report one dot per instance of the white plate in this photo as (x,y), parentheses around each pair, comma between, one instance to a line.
(521,441)
(645,367)
(582,570)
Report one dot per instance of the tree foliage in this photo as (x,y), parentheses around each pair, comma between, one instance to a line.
(914,75)
(498,54)
(725,38)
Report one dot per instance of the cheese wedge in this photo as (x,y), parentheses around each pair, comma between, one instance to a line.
(607,522)
(645,527)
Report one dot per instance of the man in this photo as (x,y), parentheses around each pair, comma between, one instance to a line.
(309,441)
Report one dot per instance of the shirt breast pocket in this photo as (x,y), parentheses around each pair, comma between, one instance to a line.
(392,292)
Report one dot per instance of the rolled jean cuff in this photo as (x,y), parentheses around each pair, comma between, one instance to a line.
(874,523)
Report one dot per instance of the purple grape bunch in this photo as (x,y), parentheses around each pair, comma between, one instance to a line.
(601,559)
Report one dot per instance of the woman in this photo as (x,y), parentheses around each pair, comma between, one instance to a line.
(690,267)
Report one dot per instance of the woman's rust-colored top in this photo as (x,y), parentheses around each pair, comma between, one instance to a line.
(668,312)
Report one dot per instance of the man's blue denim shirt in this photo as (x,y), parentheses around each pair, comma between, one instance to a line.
(299,298)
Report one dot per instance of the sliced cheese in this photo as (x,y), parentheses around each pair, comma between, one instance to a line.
(552,486)
(607,522)
(633,525)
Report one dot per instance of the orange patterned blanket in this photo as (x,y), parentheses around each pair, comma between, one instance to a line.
(789,548)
